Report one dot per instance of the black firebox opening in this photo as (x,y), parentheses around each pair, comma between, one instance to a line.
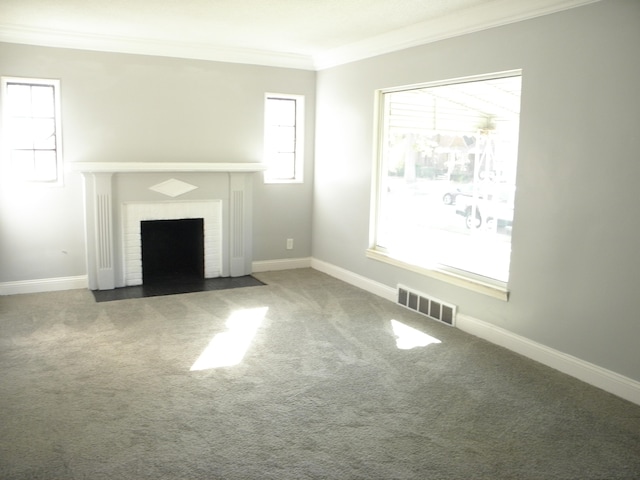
(172,251)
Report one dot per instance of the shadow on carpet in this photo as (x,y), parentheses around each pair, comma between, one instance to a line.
(175,287)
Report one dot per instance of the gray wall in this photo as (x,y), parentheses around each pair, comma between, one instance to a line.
(118,107)
(575,266)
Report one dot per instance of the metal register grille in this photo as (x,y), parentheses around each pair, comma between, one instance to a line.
(429,306)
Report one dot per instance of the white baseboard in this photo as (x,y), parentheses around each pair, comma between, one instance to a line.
(587,372)
(607,380)
(43,285)
(354,279)
(280,264)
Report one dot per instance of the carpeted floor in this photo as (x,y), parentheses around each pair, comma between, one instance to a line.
(122,390)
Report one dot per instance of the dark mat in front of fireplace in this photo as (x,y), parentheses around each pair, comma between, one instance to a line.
(173,288)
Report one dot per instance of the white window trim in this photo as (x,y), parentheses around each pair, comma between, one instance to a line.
(470,281)
(5,153)
(463,279)
(299,151)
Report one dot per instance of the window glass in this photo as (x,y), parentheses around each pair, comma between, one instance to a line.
(283,138)
(31,129)
(447,160)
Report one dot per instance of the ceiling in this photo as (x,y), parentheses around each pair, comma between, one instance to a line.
(307,34)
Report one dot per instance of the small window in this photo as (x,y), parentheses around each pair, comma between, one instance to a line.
(446,177)
(283,138)
(31,129)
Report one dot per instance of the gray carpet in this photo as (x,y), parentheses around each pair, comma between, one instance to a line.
(105,391)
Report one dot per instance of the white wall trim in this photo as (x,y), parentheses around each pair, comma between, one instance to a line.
(602,378)
(81,281)
(359,281)
(43,285)
(473,284)
(607,380)
(144,46)
(483,16)
(280,264)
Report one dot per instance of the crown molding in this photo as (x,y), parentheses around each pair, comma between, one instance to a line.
(160,48)
(485,16)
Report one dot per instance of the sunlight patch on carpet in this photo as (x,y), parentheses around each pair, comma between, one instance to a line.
(228,348)
(408,337)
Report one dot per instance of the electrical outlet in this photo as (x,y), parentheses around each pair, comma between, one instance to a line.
(289,243)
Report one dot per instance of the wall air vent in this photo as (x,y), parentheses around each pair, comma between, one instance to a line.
(427,305)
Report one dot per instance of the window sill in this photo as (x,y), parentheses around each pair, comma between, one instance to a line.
(472,284)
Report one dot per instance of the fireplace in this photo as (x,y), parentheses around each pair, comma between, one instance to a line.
(172,250)
(120,197)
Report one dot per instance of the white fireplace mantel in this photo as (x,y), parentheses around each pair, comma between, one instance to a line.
(151,167)
(103,235)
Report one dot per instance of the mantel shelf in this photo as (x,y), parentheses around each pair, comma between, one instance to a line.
(150,167)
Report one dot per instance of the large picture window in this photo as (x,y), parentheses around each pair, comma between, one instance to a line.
(31,129)
(446,176)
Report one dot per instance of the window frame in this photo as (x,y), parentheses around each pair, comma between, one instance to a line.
(475,282)
(298,162)
(7,167)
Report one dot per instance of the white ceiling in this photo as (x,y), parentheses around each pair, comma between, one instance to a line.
(309,34)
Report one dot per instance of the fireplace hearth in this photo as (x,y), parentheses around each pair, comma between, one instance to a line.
(163,289)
